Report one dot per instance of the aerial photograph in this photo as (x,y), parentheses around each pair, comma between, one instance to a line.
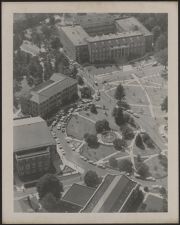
(90,112)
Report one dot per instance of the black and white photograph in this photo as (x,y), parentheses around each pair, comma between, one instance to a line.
(90,112)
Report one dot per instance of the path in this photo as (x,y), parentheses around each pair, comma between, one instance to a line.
(148,98)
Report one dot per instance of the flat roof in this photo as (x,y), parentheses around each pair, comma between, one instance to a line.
(111,195)
(114,36)
(30,133)
(30,48)
(78,194)
(131,23)
(76,34)
(56,84)
(94,19)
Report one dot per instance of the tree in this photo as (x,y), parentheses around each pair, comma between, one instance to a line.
(119,144)
(102,125)
(139,142)
(46,31)
(127,132)
(162,57)
(164,105)
(86,92)
(123,104)
(146,189)
(163,192)
(148,141)
(49,183)
(118,115)
(49,202)
(161,42)
(91,178)
(156,32)
(91,140)
(143,170)
(93,109)
(80,80)
(119,93)
(56,43)
(113,162)
(125,165)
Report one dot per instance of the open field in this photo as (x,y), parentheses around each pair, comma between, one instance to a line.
(78,126)
(98,153)
(156,95)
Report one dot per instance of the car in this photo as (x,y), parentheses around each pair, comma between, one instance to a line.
(81,157)
(63,130)
(129,111)
(84,158)
(60,147)
(155,64)
(73,148)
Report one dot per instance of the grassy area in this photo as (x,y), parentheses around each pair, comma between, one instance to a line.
(98,153)
(78,126)
(156,168)
(146,151)
(156,95)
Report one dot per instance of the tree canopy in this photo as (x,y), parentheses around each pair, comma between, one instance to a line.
(91,140)
(127,132)
(93,109)
(164,105)
(119,93)
(119,144)
(143,170)
(113,162)
(139,142)
(49,183)
(102,125)
(91,178)
(118,116)
(125,165)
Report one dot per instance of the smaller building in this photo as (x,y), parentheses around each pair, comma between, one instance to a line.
(48,96)
(29,48)
(78,195)
(33,147)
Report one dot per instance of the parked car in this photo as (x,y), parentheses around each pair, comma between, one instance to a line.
(136,115)
(63,130)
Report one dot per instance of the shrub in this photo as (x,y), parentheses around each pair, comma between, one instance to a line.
(119,144)
(113,162)
(91,178)
(125,165)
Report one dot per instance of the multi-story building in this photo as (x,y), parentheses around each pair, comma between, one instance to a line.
(33,147)
(74,42)
(116,46)
(132,24)
(49,95)
(103,37)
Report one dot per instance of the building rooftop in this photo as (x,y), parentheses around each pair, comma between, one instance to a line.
(29,48)
(114,36)
(94,19)
(111,195)
(76,34)
(30,133)
(132,24)
(56,84)
(78,194)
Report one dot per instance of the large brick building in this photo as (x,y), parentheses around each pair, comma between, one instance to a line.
(105,38)
(49,95)
(33,146)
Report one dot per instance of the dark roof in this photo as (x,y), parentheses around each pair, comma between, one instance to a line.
(130,23)
(110,195)
(57,84)
(31,133)
(78,194)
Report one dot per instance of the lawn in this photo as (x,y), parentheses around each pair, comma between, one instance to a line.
(156,95)
(145,152)
(97,154)
(157,168)
(78,126)
(134,95)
